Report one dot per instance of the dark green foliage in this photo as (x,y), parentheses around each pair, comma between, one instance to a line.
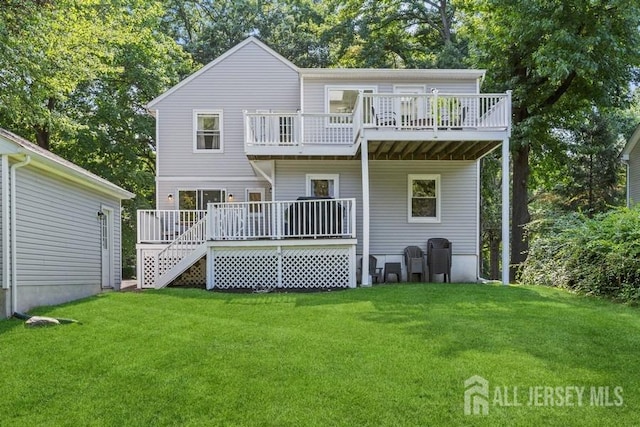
(596,256)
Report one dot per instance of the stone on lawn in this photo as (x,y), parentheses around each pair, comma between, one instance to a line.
(37,321)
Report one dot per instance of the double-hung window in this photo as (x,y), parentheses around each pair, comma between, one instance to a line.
(207,131)
(424,200)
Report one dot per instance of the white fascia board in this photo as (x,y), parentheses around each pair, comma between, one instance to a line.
(54,164)
(385,73)
(631,143)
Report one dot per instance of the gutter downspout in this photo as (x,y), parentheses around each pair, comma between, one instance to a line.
(4,168)
(625,162)
(13,240)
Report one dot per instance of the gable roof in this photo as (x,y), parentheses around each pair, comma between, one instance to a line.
(12,144)
(233,50)
(631,143)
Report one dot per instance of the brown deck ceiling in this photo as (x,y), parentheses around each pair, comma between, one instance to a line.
(429,150)
(407,150)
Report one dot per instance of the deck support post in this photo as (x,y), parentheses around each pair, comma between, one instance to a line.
(364,157)
(505,211)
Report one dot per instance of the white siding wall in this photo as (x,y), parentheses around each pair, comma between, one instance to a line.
(315,89)
(634,175)
(250,79)
(58,239)
(389,229)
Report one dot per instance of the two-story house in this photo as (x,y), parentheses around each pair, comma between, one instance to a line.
(270,175)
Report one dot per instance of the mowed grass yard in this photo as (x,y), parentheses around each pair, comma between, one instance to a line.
(395,355)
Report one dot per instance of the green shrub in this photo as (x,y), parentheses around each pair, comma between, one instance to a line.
(598,256)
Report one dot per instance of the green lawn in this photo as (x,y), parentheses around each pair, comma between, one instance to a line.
(388,355)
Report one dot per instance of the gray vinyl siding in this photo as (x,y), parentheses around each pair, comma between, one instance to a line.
(250,79)
(390,231)
(58,232)
(634,175)
(314,89)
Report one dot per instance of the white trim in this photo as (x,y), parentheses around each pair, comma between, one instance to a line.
(12,232)
(392,73)
(321,176)
(364,274)
(209,178)
(56,165)
(426,177)
(401,86)
(4,169)
(109,213)
(631,143)
(194,131)
(254,190)
(505,211)
(219,59)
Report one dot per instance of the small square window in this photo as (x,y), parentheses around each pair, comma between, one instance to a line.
(320,185)
(207,131)
(424,198)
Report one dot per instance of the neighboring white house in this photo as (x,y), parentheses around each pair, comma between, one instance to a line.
(59,228)
(631,156)
(241,140)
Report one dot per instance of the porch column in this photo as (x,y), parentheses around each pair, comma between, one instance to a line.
(505,211)
(364,157)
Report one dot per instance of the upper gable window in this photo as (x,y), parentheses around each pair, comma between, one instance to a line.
(207,131)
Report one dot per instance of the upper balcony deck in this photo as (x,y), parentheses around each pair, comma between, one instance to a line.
(397,126)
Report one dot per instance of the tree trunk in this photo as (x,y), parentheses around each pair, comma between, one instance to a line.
(520,209)
(494,257)
(42,137)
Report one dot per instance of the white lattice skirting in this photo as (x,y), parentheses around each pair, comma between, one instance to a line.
(282,267)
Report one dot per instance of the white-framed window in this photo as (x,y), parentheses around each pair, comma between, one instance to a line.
(323,185)
(424,200)
(255,195)
(341,99)
(198,199)
(207,131)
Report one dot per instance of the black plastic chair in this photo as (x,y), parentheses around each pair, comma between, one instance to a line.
(439,258)
(374,271)
(414,260)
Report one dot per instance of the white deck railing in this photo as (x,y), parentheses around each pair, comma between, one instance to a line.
(373,110)
(164,226)
(281,220)
(294,129)
(437,111)
(186,243)
(251,220)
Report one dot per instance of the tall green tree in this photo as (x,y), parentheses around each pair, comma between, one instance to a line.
(394,34)
(559,58)
(76,75)
(593,169)
(208,28)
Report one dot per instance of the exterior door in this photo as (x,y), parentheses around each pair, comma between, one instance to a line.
(411,108)
(106,243)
